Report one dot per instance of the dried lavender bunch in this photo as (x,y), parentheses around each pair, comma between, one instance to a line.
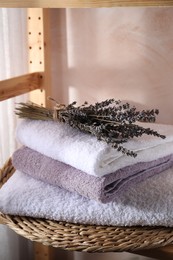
(111,120)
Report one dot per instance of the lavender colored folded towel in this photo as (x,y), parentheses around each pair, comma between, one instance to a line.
(149,203)
(84,152)
(104,189)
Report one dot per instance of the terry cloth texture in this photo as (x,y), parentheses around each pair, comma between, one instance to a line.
(104,189)
(84,152)
(149,203)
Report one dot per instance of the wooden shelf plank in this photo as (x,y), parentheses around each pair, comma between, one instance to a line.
(20,85)
(84,3)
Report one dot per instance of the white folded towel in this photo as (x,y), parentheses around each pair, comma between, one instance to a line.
(150,203)
(84,152)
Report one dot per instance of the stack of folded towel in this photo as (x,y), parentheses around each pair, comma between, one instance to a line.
(57,164)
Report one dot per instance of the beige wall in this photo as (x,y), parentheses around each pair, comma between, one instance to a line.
(126,53)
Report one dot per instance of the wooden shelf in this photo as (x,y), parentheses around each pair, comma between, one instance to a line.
(84,3)
(20,85)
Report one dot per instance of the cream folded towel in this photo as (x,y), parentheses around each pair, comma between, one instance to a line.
(149,203)
(84,152)
(104,189)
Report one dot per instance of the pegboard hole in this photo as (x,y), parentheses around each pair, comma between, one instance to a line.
(39,18)
(40,62)
(30,47)
(29,18)
(39,33)
(40,48)
(30,61)
(29,33)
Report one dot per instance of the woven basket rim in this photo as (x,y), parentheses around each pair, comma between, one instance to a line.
(83,237)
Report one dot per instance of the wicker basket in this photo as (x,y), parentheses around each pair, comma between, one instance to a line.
(84,238)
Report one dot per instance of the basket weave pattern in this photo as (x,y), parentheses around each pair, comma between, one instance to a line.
(84,238)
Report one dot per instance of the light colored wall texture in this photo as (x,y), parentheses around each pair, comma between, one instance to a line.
(126,53)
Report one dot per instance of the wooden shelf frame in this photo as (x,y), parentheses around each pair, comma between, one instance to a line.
(37,81)
(84,3)
(20,85)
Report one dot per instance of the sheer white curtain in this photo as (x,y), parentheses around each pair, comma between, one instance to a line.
(13,62)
